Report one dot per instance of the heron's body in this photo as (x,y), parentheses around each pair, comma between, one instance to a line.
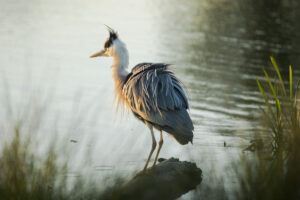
(152,92)
(155,96)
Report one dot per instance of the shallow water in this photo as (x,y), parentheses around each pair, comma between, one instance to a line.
(218,49)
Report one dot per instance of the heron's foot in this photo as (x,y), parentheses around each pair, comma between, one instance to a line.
(159,160)
(144,170)
(153,165)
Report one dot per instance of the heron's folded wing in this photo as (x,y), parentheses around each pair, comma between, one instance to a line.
(152,87)
(155,95)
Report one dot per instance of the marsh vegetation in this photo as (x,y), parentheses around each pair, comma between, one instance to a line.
(270,169)
(246,148)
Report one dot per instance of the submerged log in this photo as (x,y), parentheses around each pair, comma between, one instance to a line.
(167,180)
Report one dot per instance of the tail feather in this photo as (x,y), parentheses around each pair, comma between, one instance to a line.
(179,125)
(180,138)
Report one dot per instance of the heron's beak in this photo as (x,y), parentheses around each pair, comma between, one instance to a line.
(100,53)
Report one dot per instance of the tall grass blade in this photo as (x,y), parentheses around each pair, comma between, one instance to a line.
(265,98)
(275,92)
(270,83)
(296,94)
(291,83)
(278,74)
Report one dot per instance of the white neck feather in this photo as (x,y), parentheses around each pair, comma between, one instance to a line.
(120,63)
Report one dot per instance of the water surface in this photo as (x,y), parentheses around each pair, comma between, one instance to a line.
(218,49)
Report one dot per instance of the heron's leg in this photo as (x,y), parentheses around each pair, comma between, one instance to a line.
(160,143)
(153,146)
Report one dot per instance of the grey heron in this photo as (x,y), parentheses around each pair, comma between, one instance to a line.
(152,92)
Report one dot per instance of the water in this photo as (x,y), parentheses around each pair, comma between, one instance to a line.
(218,49)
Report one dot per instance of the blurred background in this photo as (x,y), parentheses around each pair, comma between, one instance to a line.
(218,49)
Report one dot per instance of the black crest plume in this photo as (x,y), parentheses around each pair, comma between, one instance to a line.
(112,36)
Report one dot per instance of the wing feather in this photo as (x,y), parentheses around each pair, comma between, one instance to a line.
(155,95)
(154,87)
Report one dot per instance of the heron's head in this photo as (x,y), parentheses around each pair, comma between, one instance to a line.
(111,46)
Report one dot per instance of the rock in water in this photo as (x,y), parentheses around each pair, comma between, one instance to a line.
(168,180)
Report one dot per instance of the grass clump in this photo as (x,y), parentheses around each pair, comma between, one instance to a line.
(274,172)
(283,116)
(25,175)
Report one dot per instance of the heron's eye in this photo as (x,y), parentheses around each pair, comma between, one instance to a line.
(107,43)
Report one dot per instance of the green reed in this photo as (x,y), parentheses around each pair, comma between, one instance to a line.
(274,172)
(282,112)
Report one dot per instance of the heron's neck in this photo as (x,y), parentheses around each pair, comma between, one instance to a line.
(120,65)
